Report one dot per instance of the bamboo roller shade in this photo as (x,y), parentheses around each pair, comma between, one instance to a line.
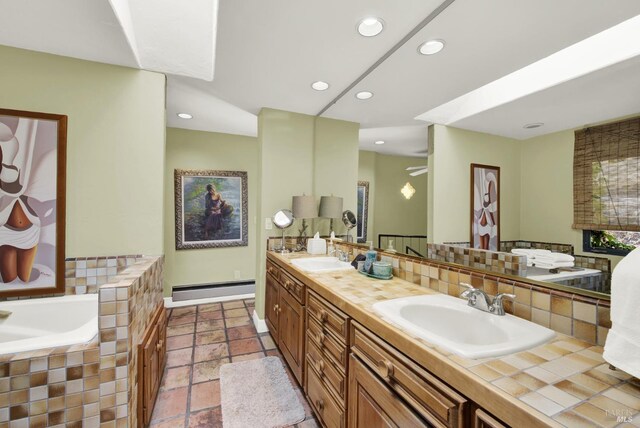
(606,177)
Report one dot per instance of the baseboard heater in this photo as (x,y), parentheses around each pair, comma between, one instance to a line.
(219,289)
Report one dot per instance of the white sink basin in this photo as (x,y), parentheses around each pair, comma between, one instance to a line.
(321,264)
(448,322)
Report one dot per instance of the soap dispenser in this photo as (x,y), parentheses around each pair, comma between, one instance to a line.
(371,257)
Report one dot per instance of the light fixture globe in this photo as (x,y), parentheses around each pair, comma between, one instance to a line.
(320,85)
(431,47)
(364,95)
(408,190)
(184,116)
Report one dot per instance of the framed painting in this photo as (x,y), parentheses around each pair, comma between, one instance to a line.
(363,210)
(211,209)
(485,207)
(32,202)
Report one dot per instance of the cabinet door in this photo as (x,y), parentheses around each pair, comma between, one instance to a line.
(151,373)
(484,420)
(162,341)
(272,298)
(291,330)
(373,405)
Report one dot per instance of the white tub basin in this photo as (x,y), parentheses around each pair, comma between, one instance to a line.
(448,322)
(321,264)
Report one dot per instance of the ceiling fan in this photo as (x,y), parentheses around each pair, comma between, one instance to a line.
(417,170)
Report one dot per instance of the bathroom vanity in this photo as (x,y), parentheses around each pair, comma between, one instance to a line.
(358,370)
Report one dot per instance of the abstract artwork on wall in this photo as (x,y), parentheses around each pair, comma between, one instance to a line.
(485,207)
(211,209)
(363,210)
(32,202)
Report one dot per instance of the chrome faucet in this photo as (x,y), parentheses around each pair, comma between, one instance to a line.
(480,300)
(343,256)
(5,314)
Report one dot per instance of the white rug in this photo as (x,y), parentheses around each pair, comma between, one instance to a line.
(258,394)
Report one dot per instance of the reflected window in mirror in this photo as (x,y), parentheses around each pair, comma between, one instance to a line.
(619,243)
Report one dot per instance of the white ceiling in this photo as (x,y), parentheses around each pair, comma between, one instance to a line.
(267,53)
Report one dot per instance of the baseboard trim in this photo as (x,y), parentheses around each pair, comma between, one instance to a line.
(260,324)
(169,303)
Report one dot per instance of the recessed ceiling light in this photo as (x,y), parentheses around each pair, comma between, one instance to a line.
(364,95)
(185,116)
(370,27)
(320,85)
(533,125)
(431,47)
(379,142)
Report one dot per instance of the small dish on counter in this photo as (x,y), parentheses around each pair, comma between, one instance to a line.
(371,275)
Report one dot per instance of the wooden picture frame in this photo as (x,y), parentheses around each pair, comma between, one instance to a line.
(485,207)
(363,211)
(210,220)
(33,152)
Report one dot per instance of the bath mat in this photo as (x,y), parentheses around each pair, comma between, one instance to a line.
(258,394)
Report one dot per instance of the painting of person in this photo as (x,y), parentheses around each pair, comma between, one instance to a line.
(485,212)
(214,205)
(211,209)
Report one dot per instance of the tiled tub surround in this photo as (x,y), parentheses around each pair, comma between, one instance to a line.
(562,383)
(86,385)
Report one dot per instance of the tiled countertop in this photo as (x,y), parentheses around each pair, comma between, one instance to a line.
(562,383)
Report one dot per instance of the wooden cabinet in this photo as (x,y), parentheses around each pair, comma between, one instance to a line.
(482,419)
(372,404)
(152,356)
(284,315)
(272,302)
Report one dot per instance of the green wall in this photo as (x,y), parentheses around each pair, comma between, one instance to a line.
(115,144)
(390,212)
(208,151)
(546,196)
(453,152)
(300,154)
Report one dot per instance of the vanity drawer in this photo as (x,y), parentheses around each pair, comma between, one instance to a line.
(293,286)
(328,316)
(324,405)
(273,270)
(328,345)
(326,370)
(432,399)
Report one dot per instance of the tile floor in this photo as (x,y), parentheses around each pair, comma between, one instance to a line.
(199,340)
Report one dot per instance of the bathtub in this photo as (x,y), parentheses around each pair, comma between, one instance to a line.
(48,323)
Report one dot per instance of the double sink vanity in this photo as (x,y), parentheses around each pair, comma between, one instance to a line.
(392,353)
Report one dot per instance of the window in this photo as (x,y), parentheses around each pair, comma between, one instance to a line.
(606,186)
(610,241)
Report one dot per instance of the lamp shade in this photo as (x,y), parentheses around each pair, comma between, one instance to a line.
(304,207)
(330,207)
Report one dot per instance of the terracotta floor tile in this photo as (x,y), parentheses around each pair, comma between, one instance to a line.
(206,419)
(237,322)
(208,337)
(171,423)
(179,357)
(209,325)
(233,304)
(170,403)
(210,352)
(205,395)
(179,312)
(267,341)
(232,313)
(244,332)
(246,357)
(209,307)
(179,330)
(187,319)
(208,370)
(176,377)
(211,315)
(179,342)
(244,346)
(273,353)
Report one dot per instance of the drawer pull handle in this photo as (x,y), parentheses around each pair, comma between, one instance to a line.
(275,308)
(320,367)
(320,405)
(323,315)
(320,338)
(286,285)
(386,369)
(159,345)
